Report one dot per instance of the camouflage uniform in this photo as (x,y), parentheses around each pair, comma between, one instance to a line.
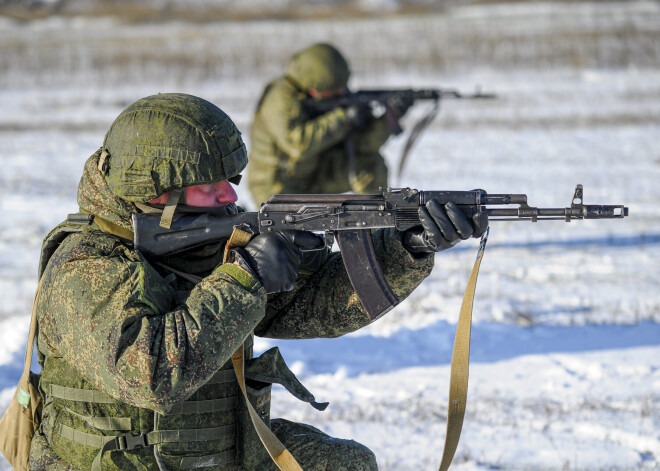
(130,350)
(292,151)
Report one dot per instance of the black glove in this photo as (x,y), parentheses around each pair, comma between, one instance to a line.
(274,257)
(442,228)
(358,114)
(400,103)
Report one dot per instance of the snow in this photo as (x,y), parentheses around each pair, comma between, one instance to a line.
(565,358)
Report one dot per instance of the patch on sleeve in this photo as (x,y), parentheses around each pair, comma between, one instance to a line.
(246,280)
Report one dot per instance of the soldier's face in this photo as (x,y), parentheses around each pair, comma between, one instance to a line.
(212,195)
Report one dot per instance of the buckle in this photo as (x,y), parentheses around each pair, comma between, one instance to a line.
(131,442)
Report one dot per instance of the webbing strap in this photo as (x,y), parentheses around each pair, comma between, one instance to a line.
(23,383)
(133,441)
(187,407)
(223,376)
(78,395)
(186,276)
(170,207)
(83,438)
(112,228)
(238,238)
(201,407)
(104,423)
(277,451)
(191,435)
(460,362)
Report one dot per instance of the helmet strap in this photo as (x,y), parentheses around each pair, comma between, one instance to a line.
(170,208)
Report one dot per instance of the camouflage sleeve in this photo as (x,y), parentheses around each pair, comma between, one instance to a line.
(370,139)
(114,318)
(325,304)
(300,137)
(370,168)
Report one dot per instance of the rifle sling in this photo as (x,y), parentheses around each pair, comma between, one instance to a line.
(417,130)
(111,228)
(277,451)
(460,362)
(349,148)
(24,382)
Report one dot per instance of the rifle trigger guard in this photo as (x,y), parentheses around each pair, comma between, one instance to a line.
(329,238)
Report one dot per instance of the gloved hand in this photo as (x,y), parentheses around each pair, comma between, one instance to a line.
(358,114)
(274,257)
(400,103)
(442,228)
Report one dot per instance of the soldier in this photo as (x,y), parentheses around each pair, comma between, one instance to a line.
(135,353)
(293,151)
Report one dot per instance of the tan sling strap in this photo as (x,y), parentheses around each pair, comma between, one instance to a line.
(111,228)
(22,417)
(32,333)
(460,362)
(277,451)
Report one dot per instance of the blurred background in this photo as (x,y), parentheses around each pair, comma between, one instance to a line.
(566,338)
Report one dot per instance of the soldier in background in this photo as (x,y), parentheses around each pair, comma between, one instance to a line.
(293,151)
(136,353)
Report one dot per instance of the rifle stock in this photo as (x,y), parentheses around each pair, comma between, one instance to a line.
(187,231)
(351,218)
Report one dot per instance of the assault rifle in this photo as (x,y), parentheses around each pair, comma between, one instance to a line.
(382,99)
(350,218)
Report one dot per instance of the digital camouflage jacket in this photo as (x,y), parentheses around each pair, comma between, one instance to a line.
(135,360)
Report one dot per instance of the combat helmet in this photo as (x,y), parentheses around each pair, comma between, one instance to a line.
(167,142)
(321,67)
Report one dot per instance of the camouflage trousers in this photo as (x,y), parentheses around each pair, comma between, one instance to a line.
(313,449)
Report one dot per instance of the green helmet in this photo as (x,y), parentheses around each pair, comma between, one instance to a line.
(170,141)
(321,67)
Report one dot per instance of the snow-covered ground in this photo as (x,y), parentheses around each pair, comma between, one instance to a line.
(565,370)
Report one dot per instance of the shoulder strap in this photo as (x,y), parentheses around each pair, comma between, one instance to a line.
(73,223)
(23,390)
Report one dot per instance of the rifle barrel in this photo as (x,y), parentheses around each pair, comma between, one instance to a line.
(579,212)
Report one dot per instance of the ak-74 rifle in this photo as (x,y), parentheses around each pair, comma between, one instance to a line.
(350,218)
(382,99)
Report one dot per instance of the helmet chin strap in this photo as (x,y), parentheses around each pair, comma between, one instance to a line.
(177,199)
(170,207)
